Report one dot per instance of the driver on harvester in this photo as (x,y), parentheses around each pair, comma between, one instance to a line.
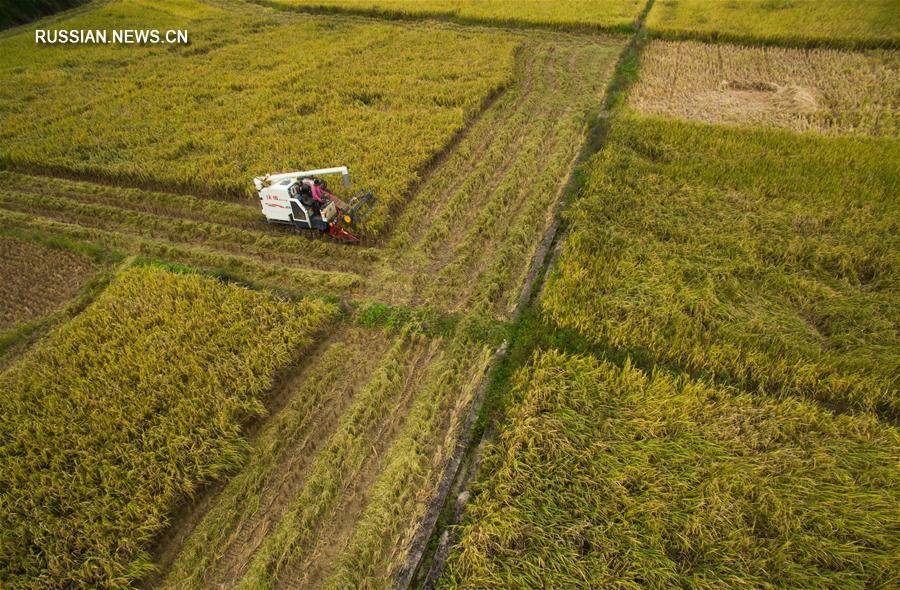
(311,193)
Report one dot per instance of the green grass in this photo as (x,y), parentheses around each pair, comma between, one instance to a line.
(619,15)
(255,91)
(605,476)
(845,23)
(763,258)
(119,414)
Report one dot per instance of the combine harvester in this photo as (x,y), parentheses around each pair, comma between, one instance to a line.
(302,201)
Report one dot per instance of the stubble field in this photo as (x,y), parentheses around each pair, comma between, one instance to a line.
(825,90)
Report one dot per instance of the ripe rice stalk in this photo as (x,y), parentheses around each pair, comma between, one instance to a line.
(763,258)
(476,222)
(410,472)
(255,494)
(348,450)
(292,279)
(828,23)
(616,15)
(142,396)
(284,249)
(609,477)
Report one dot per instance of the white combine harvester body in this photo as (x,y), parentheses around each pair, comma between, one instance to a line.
(279,194)
(301,200)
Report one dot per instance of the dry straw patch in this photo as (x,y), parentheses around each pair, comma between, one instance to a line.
(820,90)
(37,280)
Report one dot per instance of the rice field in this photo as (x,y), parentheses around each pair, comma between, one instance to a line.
(619,15)
(139,400)
(759,257)
(824,90)
(469,259)
(243,407)
(345,466)
(37,280)
(474,225)
(606,476)
(248,96)
(831,23)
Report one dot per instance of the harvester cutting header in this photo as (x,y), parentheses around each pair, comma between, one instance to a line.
(303,201)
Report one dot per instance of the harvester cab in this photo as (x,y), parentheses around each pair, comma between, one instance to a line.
(302,200)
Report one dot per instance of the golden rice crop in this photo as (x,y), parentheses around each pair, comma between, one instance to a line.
(381,403)
(254,92)
(359,449)
(609,477)
(849,23)
(37,280)
(578,14)
(476,222)
(761,257)
(820,89)
(281,451)
(125,410)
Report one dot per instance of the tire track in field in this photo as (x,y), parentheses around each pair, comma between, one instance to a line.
(168,546)
(553,141)
(285,481)
(450,173)
(485,209)
(266,247)
(366,439)
(311,569)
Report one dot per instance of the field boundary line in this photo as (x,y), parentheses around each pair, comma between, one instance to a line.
(510,24)
(723,38)
(419,544)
